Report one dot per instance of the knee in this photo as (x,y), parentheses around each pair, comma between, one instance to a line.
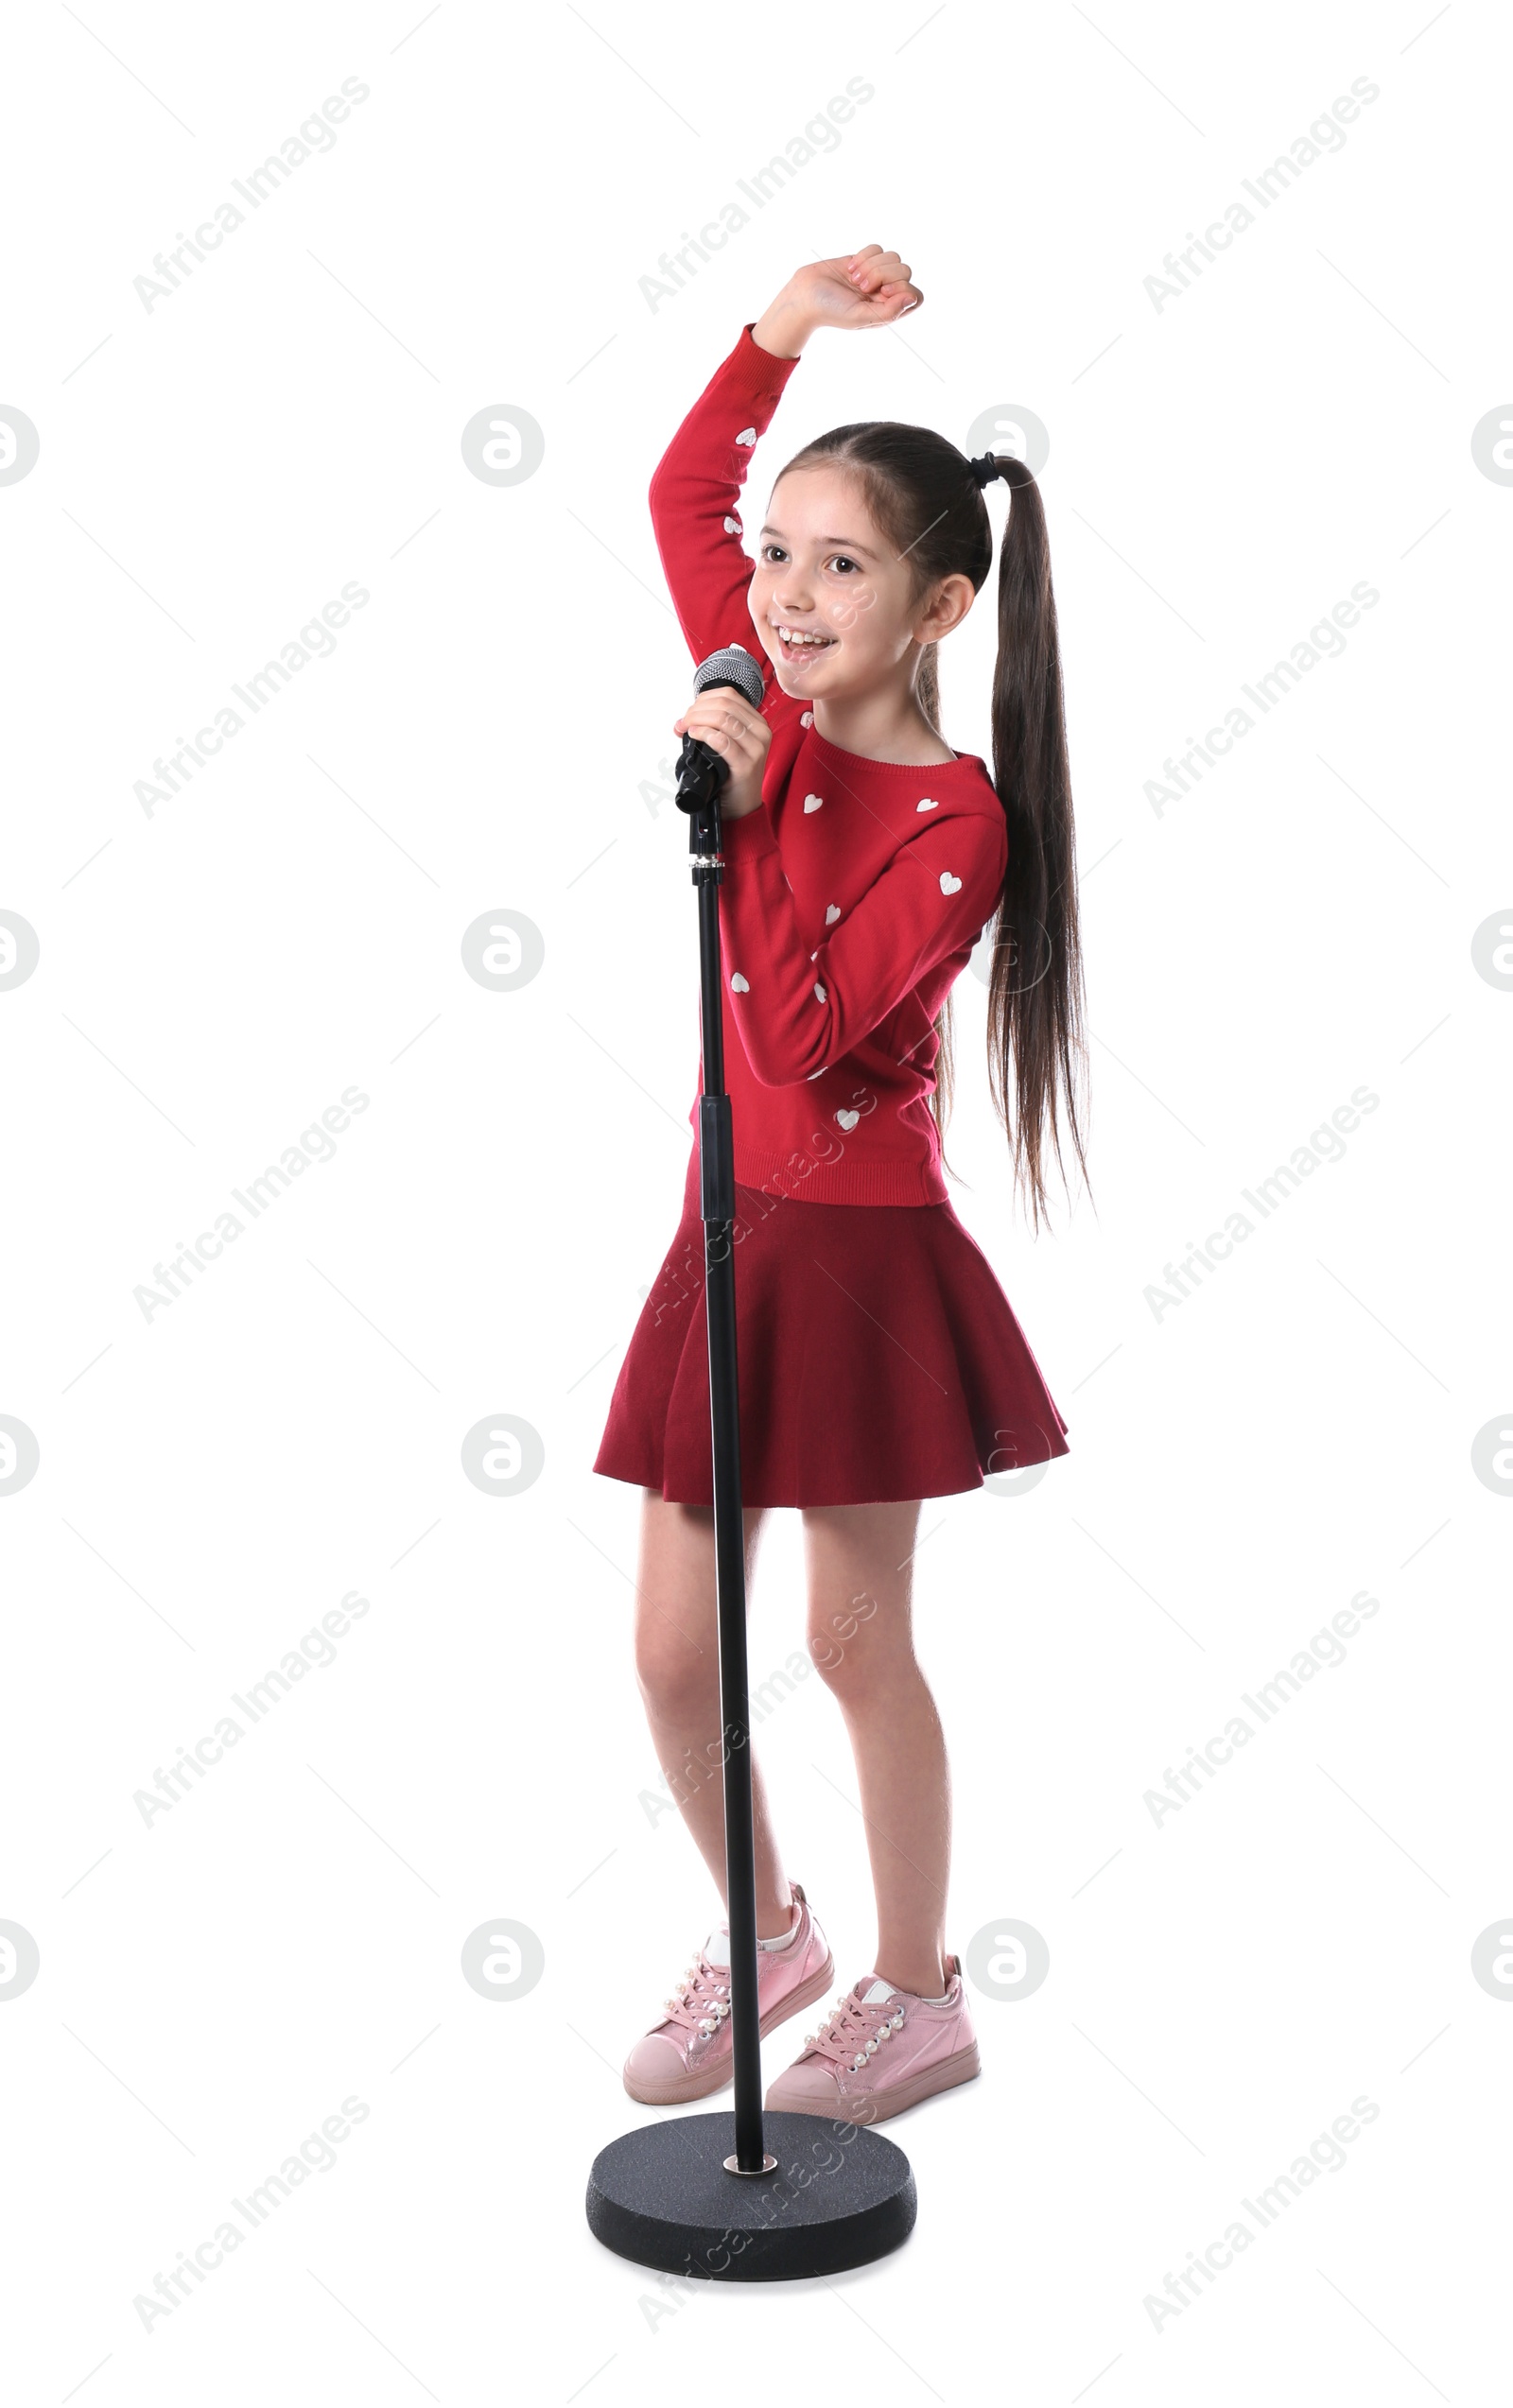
(678,1680)
(848,1649)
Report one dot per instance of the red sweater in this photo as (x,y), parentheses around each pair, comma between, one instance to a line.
(851,900)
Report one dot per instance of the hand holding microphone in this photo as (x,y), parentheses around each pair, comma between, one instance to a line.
(725,739)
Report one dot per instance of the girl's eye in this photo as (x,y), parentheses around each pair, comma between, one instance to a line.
(772,552)
(842,561)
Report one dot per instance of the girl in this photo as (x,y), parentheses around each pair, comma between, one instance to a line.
(880,1361)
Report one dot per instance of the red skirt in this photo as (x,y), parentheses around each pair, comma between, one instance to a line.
(878,1359)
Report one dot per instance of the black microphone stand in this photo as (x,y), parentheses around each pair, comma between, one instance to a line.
(663,2195)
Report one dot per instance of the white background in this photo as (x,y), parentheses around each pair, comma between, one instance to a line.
(214,1480)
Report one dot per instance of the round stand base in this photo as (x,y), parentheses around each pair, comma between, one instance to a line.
(840,2197)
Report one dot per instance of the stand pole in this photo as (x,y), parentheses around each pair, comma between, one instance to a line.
(717,1205)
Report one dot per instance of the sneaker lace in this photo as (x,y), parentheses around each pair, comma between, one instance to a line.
(853,2031)
(700,1998)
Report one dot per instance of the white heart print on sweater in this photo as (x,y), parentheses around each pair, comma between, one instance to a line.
(732,526)
(820,992)
(927,805)
(848,1119)
(949,885)
(806,719)
(747,436)
(738,984)
(832,912)
(813,802)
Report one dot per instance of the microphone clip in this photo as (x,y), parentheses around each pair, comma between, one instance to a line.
(702,775)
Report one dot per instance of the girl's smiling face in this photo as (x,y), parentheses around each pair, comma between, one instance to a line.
(835,605)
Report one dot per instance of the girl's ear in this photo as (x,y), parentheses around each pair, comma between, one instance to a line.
(944,609)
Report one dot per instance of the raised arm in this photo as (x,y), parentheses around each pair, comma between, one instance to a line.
(695,497)
(696,491)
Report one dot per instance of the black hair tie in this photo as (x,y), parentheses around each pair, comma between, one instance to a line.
(991,464)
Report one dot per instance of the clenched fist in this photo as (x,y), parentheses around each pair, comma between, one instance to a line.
(870,288)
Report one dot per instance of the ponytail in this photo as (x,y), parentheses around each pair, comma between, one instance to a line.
(1035,1002)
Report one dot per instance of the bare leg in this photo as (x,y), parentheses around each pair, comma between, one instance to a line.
(677,1665)
(860,1567)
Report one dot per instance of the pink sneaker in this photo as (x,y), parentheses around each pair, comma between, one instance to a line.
(688,2054)
(881,2050)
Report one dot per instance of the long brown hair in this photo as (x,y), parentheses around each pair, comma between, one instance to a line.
(922,494)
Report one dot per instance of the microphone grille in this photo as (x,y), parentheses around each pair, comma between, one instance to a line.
(733,666)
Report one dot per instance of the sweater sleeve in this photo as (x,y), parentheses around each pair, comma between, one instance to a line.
(695,498)
(796,1017)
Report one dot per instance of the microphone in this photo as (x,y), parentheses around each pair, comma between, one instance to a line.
(702,773)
